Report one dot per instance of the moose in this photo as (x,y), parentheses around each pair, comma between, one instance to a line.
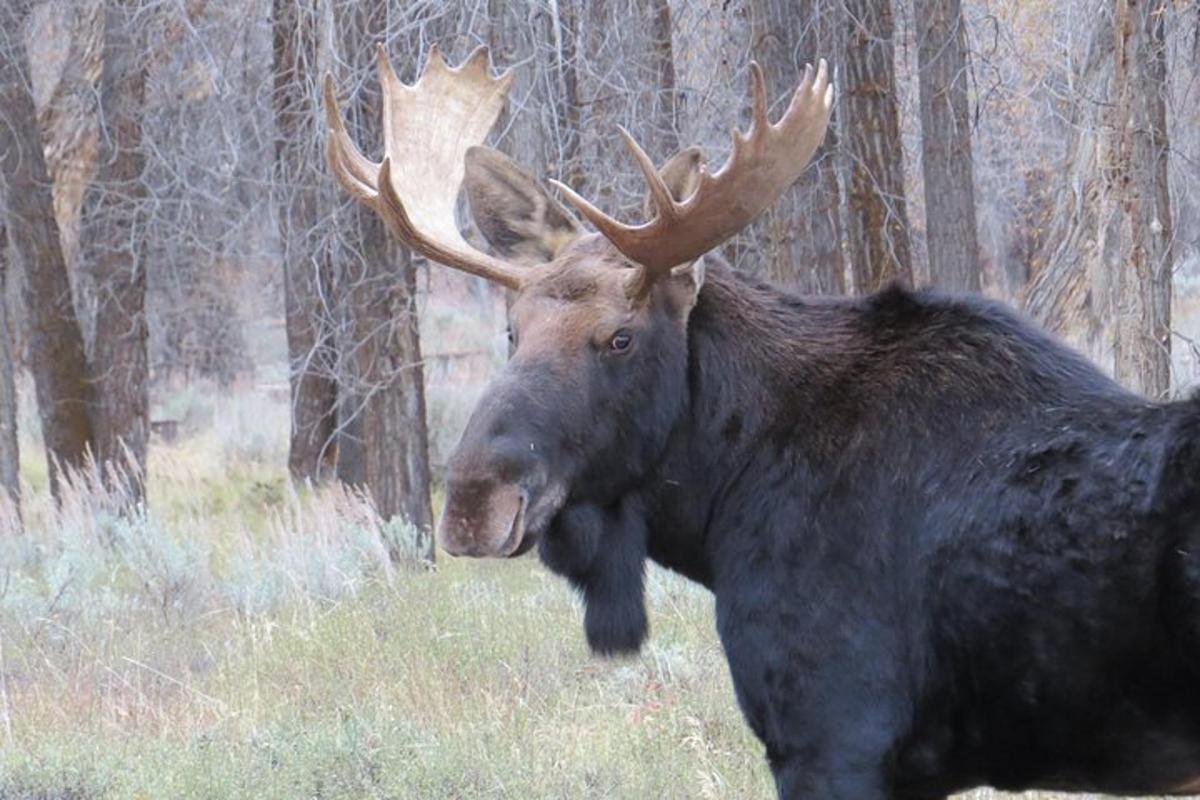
(946,551)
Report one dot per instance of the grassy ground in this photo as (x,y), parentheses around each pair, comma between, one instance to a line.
(246,640)
(194,655)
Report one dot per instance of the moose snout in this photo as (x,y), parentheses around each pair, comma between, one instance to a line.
(496,476)
(483,518)
(487,496)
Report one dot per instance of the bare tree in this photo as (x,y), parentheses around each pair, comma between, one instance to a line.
(801,235)
(380,280)
(1059,293)
(566,95)
(114,238)
(509,38)
(667,108)
(303,204)
(10,455)
(207,137)
(877,227)
(226,107)
(56,352)
(946,160)
(1139,298)
(65,43)
(1103,277)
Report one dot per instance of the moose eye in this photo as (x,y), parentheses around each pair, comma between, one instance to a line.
(620,342)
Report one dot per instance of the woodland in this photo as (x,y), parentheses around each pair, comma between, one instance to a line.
(227,394)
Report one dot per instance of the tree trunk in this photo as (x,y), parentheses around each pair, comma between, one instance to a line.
(388,377)
(1103,278)
(114,244)
(524,138)
(56,353)
(10,455)
(389,374)
(1059,291)
(946,145)
(666,111)
(509,39)
(564,67)
(301,207)
(1140,302)
(351,462)
(877,227)
(391,369)
(800,235)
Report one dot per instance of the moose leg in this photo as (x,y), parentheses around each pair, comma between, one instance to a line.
(820,685)
(828,736)
(602,552)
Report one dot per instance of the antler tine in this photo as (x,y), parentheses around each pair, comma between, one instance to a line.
(354,170)
(811,81)
(764,162)
(609,227)
(478,59)
(390,88)
(758,88)
(447,111)
(659,192)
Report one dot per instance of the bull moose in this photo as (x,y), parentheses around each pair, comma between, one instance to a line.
(946,551)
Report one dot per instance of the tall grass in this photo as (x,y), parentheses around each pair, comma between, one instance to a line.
(168,654)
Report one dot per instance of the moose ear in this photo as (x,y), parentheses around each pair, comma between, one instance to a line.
(513,211)
(681,174)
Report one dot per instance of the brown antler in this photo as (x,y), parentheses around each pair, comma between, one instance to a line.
(427,129)
(764,163)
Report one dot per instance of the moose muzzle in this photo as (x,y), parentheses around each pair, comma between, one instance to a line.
(483,519)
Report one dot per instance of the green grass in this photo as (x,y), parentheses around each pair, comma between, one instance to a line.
(468,681)
(247,640)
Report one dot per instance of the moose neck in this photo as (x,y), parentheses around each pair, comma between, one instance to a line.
(755,352)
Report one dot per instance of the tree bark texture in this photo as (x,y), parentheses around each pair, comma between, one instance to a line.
(521,134)
(1103,279)
(1059,292)
(801,233)
(56,352)
(877,225)
(944,75)
(566,98)
(666,109)
(10,454)
(114,245)
(1140,302)
(301,206)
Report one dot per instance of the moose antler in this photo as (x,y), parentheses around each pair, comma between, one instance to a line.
(764,162)
(427,129)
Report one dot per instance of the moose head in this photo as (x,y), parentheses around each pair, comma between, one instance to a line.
(599,320)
